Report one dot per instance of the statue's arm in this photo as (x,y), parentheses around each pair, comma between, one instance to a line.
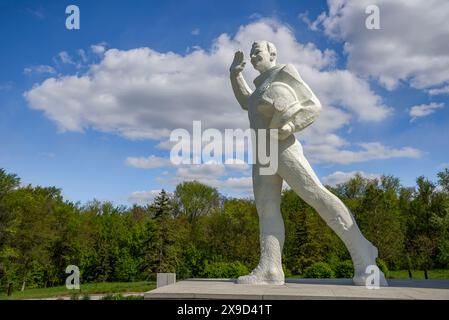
(294,110)
(241,89)
(307,105)
(239,85)
(310,104)
(309,110)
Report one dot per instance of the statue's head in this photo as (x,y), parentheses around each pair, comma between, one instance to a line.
(263,55)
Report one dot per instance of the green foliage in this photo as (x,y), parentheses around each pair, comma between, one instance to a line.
(224,270)
(319,270)
(162,206)
(194,199)
(41,233)
(193,263)
(308,238)
(376,207)
(443,179)
(287,272)
(344,269)
(382,266)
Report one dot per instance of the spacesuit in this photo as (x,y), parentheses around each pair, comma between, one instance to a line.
(283,101)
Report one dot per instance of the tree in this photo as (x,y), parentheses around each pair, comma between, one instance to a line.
(376,207)
(380,217)
(162,206)
(440,221)
(166,244)
(421,235)
(33,211)
(443,179)
(8,183)
(405,199)
(194,199)
(231,234)
(308,239)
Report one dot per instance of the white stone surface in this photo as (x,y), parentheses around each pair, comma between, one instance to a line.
(283,101)
(165,279)
(297,289)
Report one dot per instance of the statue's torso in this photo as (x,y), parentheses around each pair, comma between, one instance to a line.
(260,112)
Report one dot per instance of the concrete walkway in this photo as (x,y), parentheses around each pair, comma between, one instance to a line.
(301,289)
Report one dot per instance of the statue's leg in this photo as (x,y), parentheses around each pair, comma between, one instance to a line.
(299,175)
(267,194)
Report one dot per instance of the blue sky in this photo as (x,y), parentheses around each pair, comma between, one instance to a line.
(385,92)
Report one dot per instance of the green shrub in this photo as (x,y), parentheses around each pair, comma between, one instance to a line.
(224,270)
(192,264)
(382,266)
(344,269)
(287,272)
(319,270)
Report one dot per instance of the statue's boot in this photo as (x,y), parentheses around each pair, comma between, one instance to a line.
(363,252)
(269,270)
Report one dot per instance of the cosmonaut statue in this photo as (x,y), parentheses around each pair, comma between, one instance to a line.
(283,101)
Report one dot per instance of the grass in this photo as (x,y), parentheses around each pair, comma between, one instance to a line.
(86,289)
(437,274)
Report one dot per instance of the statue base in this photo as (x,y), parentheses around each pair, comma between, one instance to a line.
(300,289)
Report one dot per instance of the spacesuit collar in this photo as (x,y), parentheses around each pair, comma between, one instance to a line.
(263,76)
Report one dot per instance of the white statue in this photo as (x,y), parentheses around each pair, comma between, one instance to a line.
(283,101)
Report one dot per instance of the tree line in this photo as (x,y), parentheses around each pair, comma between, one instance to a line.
(197,232)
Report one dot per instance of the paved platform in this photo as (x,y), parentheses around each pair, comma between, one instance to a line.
(301,289)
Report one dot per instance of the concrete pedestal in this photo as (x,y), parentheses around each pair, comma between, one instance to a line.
(301,289)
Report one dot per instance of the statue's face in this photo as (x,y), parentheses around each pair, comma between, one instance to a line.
(261,58)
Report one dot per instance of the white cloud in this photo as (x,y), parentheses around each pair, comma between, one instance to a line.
(143,197)
(165,144)
(150,162)
(143,94)
(240,184)
(65,57)
(344,89)
(437,91)
(213,174)
(328,153)
(412,44)
(83,55)
(99,48)
(313,25)
(237,164)
(423,110)
(339,177)
(195,32)
(39,69)
(201,172)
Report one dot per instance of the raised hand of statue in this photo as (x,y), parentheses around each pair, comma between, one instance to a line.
(238,64)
